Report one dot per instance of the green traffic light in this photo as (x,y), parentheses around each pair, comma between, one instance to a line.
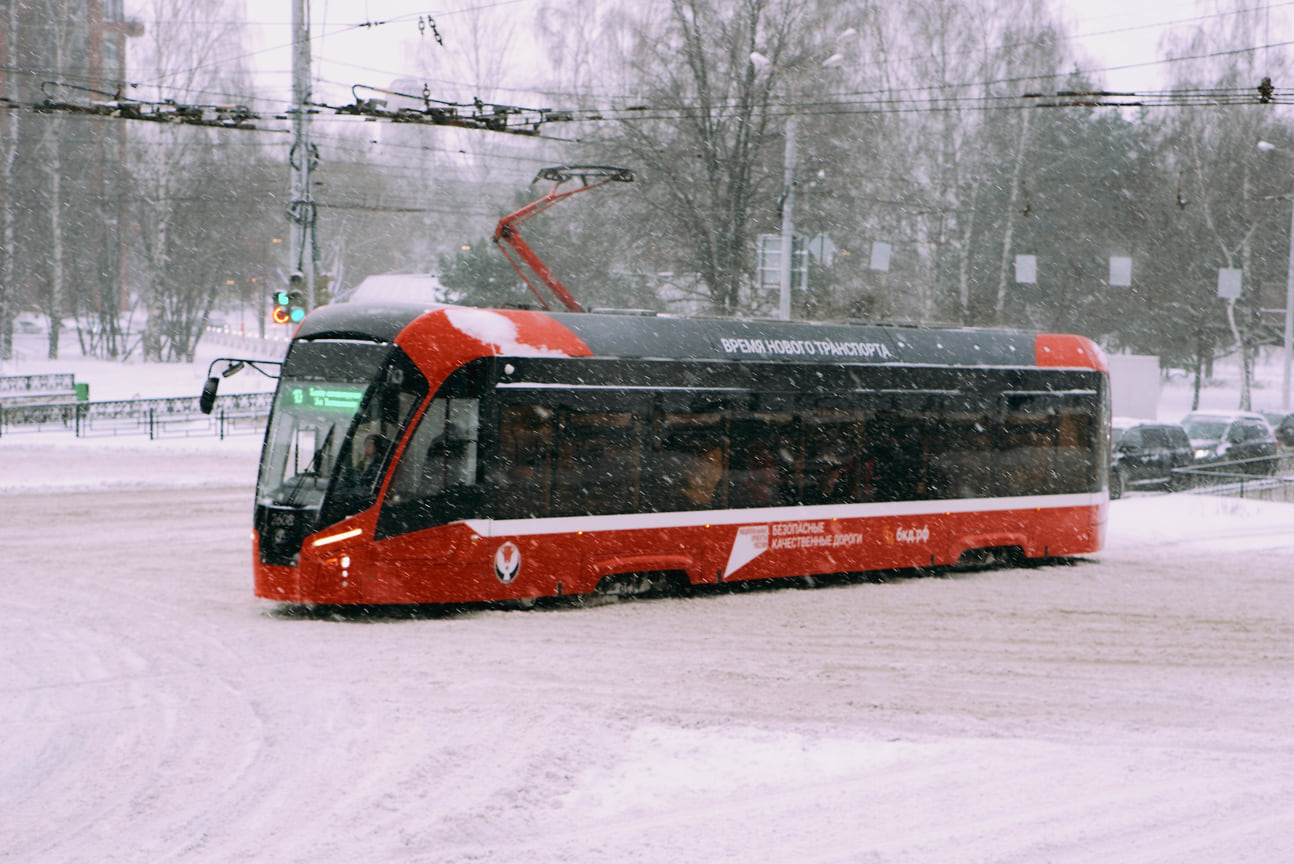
(296,314)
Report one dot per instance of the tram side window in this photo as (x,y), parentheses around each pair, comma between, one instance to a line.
(363,461)
(688,460)
(836,465)
(961,463)
(762,462)
(1044,447)
(524,468)
(598,463)
(462,431)
(1075,441)
(364,456)
(369,447)
(899,444)
(441,458)
(1024,457)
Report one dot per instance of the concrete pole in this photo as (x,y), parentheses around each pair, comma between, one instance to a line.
(788,224)
(1289,317)
(302,210)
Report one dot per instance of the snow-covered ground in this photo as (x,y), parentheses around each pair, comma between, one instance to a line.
(1133,707)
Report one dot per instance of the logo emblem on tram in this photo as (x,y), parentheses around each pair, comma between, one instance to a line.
(906,535)
(507,562)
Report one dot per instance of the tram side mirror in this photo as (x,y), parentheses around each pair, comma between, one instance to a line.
(208,397)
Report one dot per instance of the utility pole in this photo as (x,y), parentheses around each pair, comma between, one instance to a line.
(788,225)
(1288,336)
(301,212)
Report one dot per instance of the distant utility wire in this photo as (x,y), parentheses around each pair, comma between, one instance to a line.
(111,105)
(421,109)
(434,112)
(426,25)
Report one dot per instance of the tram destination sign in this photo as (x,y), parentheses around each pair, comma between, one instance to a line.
(342,399)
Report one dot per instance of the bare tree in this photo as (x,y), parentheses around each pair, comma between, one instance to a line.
(713,74)
(192,53)
(58,51)
(932,51)
(1214,149)
(9,127)
(991,53)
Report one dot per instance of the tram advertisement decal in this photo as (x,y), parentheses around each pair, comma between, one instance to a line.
(754,540)
(808,347)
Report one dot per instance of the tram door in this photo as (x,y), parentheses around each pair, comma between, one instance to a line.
(423,540)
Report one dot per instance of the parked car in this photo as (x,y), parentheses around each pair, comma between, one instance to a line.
(1283,428)
(1145,453)
(1241,437)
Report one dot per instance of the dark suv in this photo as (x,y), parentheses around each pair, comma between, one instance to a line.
(1282,428)
(1240,437)
(1144,453)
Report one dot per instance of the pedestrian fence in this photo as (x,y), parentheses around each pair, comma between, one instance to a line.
(179,417)
(1257,479)
(33,389)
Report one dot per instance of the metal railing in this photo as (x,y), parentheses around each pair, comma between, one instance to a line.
(1262,478)
(179,417)
(35,389)
(13,385)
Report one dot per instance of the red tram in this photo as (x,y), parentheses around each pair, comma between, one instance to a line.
(449,454)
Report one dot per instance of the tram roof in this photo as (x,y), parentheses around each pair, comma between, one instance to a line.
(661,337)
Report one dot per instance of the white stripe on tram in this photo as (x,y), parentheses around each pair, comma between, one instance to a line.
(765,515)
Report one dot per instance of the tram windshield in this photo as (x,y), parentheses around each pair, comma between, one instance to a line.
(311,417)
(337,413)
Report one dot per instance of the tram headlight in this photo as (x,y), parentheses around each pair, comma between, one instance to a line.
(329,539)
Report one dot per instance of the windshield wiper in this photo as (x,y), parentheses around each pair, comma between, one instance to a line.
(316,465)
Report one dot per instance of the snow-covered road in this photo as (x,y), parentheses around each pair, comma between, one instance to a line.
(1134,707)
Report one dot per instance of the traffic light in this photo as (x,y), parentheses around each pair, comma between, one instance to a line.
(289,307)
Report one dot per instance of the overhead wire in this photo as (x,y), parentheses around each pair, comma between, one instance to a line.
(326,34)
(918,98)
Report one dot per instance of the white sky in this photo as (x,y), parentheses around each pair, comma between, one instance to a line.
(345,51)
(1124,37)
(1120,39)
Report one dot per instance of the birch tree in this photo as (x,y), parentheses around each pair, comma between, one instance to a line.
(55,158)
(1214,151)
(191,53)
(9,128)
(719,77)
